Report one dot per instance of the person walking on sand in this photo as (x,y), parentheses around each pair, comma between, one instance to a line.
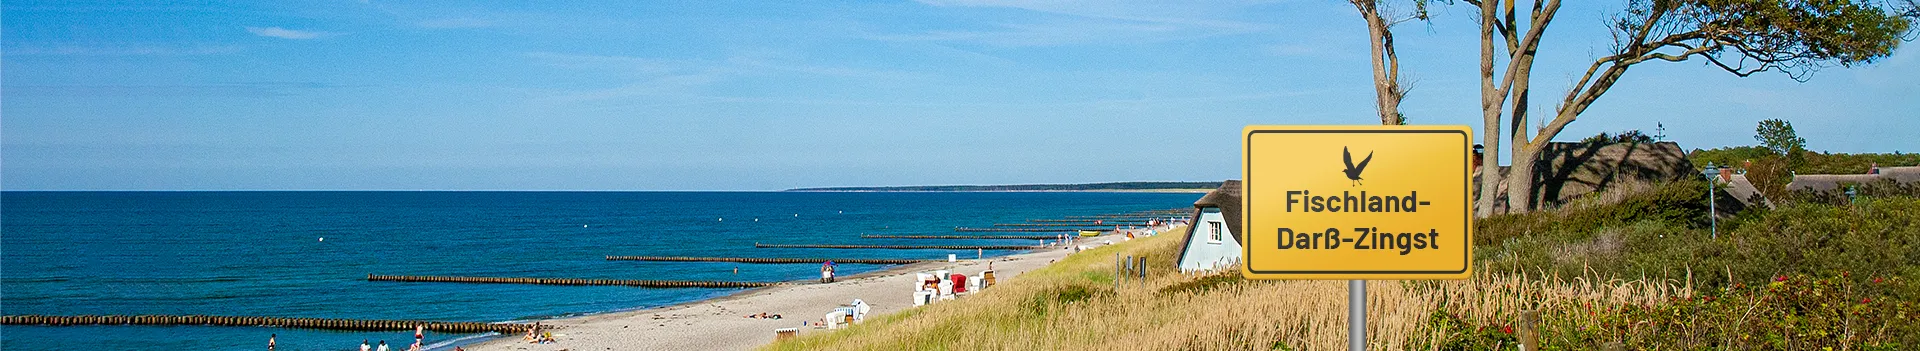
(826,272)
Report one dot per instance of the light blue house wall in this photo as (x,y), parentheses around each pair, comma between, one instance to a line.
(1210,244)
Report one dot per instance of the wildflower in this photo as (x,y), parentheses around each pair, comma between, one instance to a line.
(1780,278)
(1876,280)
(1866,300)
(1506,329)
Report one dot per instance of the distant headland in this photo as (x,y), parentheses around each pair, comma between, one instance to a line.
(1113,186)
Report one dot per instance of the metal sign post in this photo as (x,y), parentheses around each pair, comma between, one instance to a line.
(1356,315)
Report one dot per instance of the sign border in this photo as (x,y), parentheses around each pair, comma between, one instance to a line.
(1246,183)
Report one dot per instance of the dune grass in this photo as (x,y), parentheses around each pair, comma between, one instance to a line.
(1632,269)
(1075,305)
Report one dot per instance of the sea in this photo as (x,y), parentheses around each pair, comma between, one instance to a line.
(307,254)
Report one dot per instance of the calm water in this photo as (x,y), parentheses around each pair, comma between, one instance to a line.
(260,253)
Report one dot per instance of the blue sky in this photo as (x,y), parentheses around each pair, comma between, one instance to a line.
(643,95)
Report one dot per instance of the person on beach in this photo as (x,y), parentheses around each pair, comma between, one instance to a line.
(364,346)
(383,346)
(270,339)
(826,272)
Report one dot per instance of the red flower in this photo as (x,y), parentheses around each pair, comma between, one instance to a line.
(1866,300)
(1506,329)
(1876,280)
(1780,278)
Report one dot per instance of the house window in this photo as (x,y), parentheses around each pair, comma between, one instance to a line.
(1213,232)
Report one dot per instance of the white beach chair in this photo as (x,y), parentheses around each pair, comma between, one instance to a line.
(860,309)
(835,318)
(946,290)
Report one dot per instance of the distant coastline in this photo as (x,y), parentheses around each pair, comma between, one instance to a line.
(1113,186)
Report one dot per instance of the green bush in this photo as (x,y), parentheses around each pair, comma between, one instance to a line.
(1797,312)
(1830,163)
(1681,203)
(1662,234)
(1874,236)
(1809,162)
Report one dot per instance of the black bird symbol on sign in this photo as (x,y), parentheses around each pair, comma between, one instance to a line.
(1353,171)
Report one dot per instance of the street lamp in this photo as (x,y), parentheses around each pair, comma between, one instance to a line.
(1712,213)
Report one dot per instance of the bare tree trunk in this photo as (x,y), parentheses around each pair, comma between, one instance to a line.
(1386,65)
(1525,151)
(1490,103)
(1520,179)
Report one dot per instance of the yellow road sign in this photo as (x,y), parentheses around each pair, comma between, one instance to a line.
(1356,202)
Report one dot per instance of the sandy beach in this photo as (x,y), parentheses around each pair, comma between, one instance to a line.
(719,324)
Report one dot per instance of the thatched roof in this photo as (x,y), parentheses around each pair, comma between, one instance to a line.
(1907,174)
(1227,199)
(1831,182)
(1566,171)
(1744,191)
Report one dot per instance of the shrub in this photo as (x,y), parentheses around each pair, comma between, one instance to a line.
(1798,312)
(1679,202)
(1791,313)
(1876,236)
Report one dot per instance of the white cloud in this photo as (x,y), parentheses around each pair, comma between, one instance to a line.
(283,33)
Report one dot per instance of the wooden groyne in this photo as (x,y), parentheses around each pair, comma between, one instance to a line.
(254,321)
(764,259)
(1069,225)
(1029,237)
(1081,221)
(571,281)
(1118,217)
(1031,230)
(904,247)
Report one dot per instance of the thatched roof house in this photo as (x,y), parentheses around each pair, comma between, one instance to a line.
(1213,239)
(1570,170)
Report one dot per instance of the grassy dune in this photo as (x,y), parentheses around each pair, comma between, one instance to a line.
(1635,269)
(1074,305)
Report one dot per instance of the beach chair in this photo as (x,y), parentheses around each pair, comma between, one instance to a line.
(836,318)
(946,289)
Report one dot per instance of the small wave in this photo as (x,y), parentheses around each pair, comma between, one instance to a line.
(468,340)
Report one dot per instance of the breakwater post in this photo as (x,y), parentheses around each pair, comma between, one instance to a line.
(903,247)
(257,321)
(892,236)
(571,281)
(764,259)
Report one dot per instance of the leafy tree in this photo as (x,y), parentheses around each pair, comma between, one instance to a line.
(1778,135)
(1742,37)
